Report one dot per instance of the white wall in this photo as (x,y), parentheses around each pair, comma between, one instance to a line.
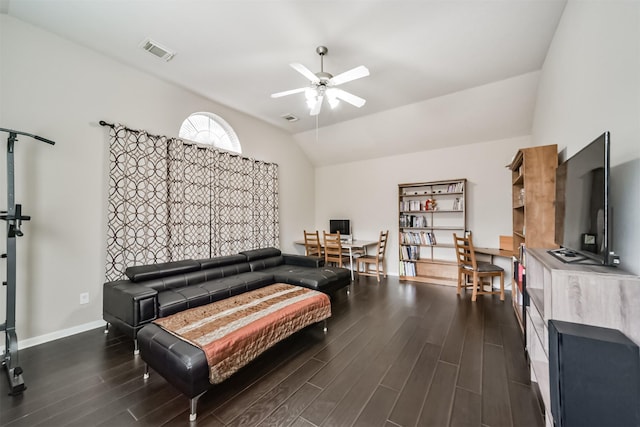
(60,90)
(590,82)
(366,192)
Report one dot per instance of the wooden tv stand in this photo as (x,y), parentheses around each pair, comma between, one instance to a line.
(588,294)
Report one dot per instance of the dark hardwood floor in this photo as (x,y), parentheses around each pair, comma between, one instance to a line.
(396,354)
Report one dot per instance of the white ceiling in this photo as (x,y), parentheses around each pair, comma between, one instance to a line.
(423,56)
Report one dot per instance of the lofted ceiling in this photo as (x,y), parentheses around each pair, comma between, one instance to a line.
(442,72)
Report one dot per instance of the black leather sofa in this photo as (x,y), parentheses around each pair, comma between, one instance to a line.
(159,290)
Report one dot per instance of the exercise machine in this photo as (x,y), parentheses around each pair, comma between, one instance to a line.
(14,217)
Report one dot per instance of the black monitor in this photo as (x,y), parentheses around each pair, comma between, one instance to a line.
(341,225)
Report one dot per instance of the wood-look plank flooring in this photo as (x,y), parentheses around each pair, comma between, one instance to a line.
(396,354)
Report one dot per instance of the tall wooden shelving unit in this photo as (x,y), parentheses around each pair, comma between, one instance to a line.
(426,229)
(533,177)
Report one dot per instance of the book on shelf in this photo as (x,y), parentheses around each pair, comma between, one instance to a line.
(411,205)
(413,221)
(422,238)
(458,204)
(412,269)
(410,252)
(522,254)
(431,238)
(409,238)
(521,276)
(407,269)
(457,187)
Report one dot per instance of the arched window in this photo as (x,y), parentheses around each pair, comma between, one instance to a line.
(208,128)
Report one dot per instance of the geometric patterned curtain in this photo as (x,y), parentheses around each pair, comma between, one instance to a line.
(189,201)
(265,221)
(171,200)
(137,212)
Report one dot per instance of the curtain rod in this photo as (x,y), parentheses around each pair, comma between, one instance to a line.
(112,126)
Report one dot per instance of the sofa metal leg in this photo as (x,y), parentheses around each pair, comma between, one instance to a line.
(193,402)
(146,371)
(136,350)
(106,328)
(324,326)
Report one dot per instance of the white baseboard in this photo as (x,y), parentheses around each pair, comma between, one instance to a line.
(30,342)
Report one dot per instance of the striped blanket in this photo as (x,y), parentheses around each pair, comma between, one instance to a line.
(234,331)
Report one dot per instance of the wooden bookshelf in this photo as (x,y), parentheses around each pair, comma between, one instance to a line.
(533,180)
(533,173)
(429,214)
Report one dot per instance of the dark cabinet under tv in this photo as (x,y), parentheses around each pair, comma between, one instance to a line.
(594,374)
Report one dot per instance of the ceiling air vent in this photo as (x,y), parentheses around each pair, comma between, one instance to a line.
(157,49)
(290,117)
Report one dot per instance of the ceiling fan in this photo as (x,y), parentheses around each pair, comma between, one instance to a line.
(324,84)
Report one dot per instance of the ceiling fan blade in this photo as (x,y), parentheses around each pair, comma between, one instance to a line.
(316,108)
(305,72)
(352,99)
(288,92)
(347,76)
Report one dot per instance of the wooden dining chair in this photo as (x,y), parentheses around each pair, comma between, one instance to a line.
(469,267)
(377,259)
(333,249)
(312,245)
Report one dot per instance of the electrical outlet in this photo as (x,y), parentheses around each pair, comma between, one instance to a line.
(84,298)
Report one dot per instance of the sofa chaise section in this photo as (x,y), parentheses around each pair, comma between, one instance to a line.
(305,271)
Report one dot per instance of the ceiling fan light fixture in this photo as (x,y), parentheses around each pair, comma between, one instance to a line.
(331,97)
(322,83)
(311,103)
(311,94)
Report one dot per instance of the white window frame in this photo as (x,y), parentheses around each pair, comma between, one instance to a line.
(216,131)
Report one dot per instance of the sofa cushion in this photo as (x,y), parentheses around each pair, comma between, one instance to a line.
(176,281)
(175,300)
(324,279)
(182,280)
(255,254)
(238,283)
(226,271)
(303,260)
(221,261)
(263,263)
(141,273)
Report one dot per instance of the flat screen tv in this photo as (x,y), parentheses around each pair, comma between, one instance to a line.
(583,210)
(341,225)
